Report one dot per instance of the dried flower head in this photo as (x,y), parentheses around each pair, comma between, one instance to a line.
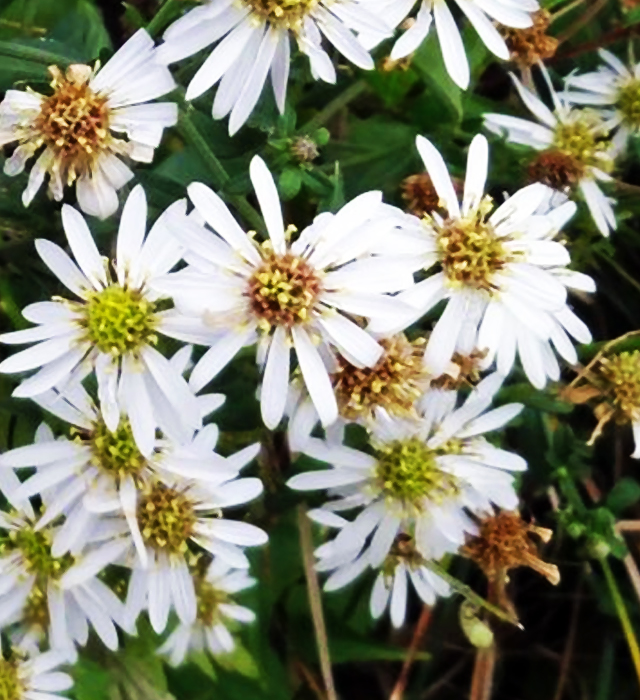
(419,192)
(532,44)
(464,371)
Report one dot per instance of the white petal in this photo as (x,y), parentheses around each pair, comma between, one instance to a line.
(269,201)
(275,382)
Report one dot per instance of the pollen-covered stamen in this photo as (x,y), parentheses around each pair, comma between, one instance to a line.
(628,102)
(282,13)
(166,518)
(116,452)
(11,687)
(74,120)
(583,138)
(408,471)
(36,608)
(556,169)
(118,320)
(394,383)
(35,548)
(532,44)
(283,291)
(622,372)
(470,251)
(504,542)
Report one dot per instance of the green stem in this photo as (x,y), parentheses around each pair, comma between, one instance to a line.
(623,616)
(338,103)
(29,53)
(470,594)
(162,17)
(219,175)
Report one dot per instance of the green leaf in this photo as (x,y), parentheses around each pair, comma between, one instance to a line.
(623,495)
(289,183)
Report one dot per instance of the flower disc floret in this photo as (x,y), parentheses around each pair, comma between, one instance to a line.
(628,102)
(283,291)
(166,518)
(581,139)
(471,253)
(623,371)
(209,598)
(119,320)
(10,684)
(116,452)
(556,169)
(408,471)
(288,14)
(35,547)
(394,383)
(74,120)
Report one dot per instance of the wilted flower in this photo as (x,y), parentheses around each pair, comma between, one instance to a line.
(532,44)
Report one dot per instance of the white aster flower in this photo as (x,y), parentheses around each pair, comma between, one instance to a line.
(173,518)
(78,129)
(33,676)
(613,87)
(503,277)
(113,328)
(420,480)
(32,595)
(481,14)
(575,149)
(286,294)
(255,40)
(216,584)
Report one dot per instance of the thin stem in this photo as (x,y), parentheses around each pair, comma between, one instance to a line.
(564,10)
(342,100)
(483,673)
(582,20)
(470,594)
(623,616)
(315,602)
(30,53)
(162,17)
(219,175)
(418,635)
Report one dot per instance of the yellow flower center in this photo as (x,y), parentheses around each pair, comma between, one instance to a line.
(397,380)
(35,548)
(10,684)
(629,103)
(623,371)
(408,471)
(116,453)
(283,291)
(166,518)
(74,121)
(118,320)
(583,139)
(470,251)
(289,14)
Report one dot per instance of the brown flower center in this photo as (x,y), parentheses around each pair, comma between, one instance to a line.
(533,44)
(396,381)
(283,291)
(555,169)
(74,121)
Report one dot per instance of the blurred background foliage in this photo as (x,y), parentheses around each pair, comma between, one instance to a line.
(361,133)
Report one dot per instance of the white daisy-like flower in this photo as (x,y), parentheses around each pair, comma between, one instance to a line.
(113,326)
(420,479)
(31,592)
(283,294)
(216,584)
(574,144)
(255,41)
(173,518)
(78,130)
(503,277)
(33,676)
(481,14)
(613,87)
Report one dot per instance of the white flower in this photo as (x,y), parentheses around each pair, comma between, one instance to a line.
(420,481)
(33,676)
(32,595)
(574,145)
(78,129)
(298,294)
(254,38)
(503,277)
(174,517)
(613,87)
(510,13)
(215,588)
(113,327)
